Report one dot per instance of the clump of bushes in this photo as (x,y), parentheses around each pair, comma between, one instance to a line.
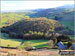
(64,38)
(50,44)
(27,46)
(12,34)
(55,39)
(33,35)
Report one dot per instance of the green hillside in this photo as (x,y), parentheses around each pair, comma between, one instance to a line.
(63,15)
(6,40)
(10,18)
(40,22)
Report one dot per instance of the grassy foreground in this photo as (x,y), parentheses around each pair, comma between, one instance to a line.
(10,42)
(37,43)
(7,41)
(17,42)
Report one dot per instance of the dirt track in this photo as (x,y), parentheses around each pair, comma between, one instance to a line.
(26,53)
(16,52)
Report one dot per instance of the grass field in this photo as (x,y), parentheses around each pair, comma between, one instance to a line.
(37,43)
(17,42)
(73,37)
(68,24)
(5,41)
(11,43)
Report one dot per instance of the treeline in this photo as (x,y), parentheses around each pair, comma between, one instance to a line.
(41,36)
(34,35)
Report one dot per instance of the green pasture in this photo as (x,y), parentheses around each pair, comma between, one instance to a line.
(68,24)
(5,40)
(37,43)
(73,37)
(10,42)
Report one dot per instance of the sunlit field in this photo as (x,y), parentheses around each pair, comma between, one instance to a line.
(5,41)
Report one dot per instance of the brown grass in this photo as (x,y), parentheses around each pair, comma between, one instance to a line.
(16,52)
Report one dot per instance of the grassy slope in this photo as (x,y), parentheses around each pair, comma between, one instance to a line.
(68,24)
(37,43)
(73,37)
(5,40)
(67,14)
(67,17)
(10,42)
(68,20)
(10,17)
(16,42)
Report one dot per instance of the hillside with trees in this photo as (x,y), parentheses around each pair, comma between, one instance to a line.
(64,15)
(34,24)
(35,27)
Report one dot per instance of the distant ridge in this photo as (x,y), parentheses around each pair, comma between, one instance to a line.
(67,6)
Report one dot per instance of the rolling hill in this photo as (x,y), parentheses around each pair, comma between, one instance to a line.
(61,14)
(34,24)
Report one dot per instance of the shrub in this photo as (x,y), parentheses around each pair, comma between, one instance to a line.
(50,44)
(40,33)
(28,45)
(26,36)
(31,32)
(58,17)
(12,34)
(54,39)
(64,38)
(8,45)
